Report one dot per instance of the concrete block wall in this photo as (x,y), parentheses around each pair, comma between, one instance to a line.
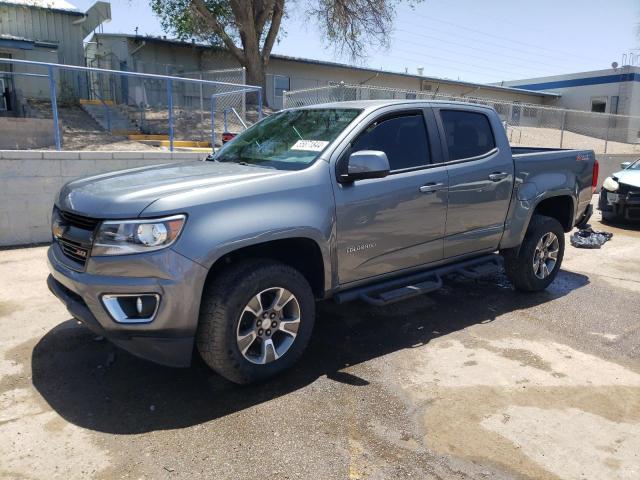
(29,181)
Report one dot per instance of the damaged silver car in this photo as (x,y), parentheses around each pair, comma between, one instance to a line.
(620,193)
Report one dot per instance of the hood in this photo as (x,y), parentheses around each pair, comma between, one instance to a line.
(629,176)
(127,193)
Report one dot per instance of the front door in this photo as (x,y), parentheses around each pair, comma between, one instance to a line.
(480,181)
(397,222)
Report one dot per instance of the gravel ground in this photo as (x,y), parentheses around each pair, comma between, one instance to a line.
(473,381)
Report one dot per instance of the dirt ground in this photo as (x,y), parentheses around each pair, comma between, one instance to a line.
(474,381)
(551,138)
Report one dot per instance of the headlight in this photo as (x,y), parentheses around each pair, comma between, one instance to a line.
(123,237)
(610,184)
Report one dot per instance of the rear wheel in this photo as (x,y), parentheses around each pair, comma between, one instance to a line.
(256,319)
(538,260)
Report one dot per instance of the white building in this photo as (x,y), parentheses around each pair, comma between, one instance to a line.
(614,91)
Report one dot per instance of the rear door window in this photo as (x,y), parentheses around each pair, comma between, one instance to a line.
(468,134)
(402,138)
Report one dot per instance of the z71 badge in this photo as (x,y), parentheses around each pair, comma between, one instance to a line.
(363,246)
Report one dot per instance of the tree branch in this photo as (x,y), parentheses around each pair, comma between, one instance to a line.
(262,13)
(201,10)
(278,12)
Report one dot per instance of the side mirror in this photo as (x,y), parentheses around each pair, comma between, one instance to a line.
(625,165)
(366,164)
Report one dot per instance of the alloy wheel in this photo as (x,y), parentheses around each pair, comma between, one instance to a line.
(545,256)
(268,325)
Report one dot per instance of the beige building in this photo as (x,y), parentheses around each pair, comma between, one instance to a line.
(165,56)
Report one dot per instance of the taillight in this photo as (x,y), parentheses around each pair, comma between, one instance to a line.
(594,179)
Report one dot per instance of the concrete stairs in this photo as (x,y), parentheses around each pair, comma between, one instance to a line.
(115,121)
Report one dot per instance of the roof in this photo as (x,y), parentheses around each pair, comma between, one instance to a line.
(154,39)
(375,104)
(55,5)
(13,41)
(578,79)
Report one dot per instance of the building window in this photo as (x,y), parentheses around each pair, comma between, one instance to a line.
(280,84)
(615,100)
(599,104)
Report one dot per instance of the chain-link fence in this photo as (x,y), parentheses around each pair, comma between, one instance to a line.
(102,108)
(527,125)
(146,99)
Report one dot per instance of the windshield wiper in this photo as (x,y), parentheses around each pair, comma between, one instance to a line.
(297,132)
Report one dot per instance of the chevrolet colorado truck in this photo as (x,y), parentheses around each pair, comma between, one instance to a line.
(366,200)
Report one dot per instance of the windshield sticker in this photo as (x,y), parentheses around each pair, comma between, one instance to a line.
(310,145)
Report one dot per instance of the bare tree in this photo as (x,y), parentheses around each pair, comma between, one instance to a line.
(248,29)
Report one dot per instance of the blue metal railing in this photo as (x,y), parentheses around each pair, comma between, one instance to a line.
(234,89)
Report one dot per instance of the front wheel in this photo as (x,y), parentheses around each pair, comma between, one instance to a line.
(256,319)
(537,262)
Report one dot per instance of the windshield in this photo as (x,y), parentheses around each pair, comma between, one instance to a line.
(634,166)
(289,140)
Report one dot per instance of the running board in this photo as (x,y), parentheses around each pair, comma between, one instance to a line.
(398,289)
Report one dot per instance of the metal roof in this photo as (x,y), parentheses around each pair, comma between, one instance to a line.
(154,39)
(59,5)
(375,104)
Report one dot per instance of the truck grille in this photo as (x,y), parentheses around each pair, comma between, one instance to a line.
(74,250)
(78,221)
(74,235)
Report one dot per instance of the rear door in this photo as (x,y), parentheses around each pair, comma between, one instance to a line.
(481,171)
(397,222)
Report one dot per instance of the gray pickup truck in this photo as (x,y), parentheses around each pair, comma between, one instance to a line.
(371,200)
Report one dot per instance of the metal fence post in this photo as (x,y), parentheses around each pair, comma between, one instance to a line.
(213,123)
(564,115)
(259,103)
(170,109)
(201,108)
(606,138)
(54,108)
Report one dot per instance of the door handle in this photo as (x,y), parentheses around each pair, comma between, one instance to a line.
(431,187)
(497,176)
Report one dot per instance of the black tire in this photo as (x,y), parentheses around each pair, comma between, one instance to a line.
(223,302)
(519,262)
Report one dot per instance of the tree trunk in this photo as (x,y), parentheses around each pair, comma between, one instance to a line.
(255,76)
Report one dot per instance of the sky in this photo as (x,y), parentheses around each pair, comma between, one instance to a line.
(472,40)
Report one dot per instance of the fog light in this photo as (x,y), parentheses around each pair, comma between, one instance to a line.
(132,308)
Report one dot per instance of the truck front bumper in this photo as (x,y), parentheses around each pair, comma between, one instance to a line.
(168,338)
(624,204)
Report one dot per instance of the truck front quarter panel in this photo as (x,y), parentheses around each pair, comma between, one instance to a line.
(291,205)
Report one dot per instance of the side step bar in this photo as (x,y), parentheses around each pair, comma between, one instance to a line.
(391,291)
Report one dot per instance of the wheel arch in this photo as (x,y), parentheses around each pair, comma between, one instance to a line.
(559,205)
(300,252)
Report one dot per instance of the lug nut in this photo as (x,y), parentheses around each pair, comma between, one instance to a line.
(268,332)
(260,332)
(274,324)
(259,323)
(265,315)
(272,316)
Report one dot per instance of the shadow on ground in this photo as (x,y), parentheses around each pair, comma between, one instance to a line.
(97,386)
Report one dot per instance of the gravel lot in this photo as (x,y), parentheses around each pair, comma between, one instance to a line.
(474,381)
